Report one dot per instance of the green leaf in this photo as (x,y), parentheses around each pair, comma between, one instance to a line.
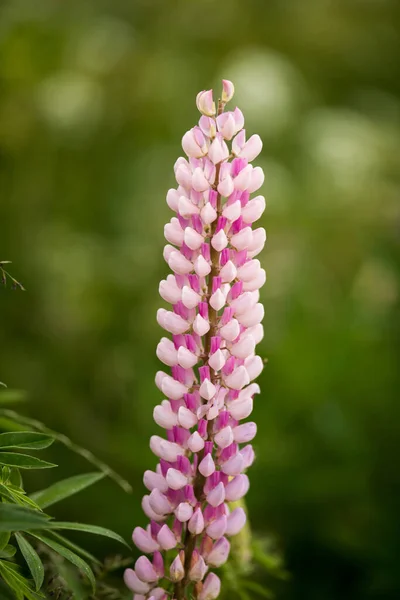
(17,496)
(32,560)
(16,478)
(65,488)
(30,440)
(8,551)
(4,538)
(74,547)
(19,518)
(23,461)
(17,582)
(5,592)
(70,556)
(12,396)
(89,529)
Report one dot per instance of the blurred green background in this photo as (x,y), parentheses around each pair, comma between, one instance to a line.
(94,99)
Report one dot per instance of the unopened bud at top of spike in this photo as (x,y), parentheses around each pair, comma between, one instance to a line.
(228,89)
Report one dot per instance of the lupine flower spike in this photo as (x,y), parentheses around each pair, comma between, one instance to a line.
(215,323)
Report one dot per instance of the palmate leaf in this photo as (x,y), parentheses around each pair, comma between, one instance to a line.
(8,551)
(95,529)
(32,560)
(20,518)
(65,488)
(23,461)
(68,555)
(29,440)
(17,582)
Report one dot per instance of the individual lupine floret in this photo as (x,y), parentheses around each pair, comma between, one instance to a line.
(214,319)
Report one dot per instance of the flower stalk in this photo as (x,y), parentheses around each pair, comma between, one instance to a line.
(215,324)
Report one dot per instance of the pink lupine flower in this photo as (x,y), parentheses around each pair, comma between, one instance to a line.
(214,321)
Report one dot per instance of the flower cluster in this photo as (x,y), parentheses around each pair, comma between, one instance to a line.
(215,323)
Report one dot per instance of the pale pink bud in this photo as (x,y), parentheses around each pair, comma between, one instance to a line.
(236,521)
(252,148)
(217,300)
(244,347)
(173,232)
(143,540)
(226,186)
(166,538)
(228,89)
(200,325)
(232,211)
(179,264)
(211,588)
(207,466)
(193,144)
(248,456)
(238,379)
(190,298)
(164,449)
(208,214)
(172,199)
(258,242)
(145,570)
(217,360)
(253,209)
(154,480)
(244,433)
(201,266)
(164,416)
(234,465)
(207,126)
(186,418)
(207,390)
(241,408)
(219,240)
(243,239)
(175,479)
(148,511)
(169,291)
(135,584)
(183,176)
(183,512)
(236,488)
(156,594)
(243,303)
(196,523)
(205,103)
(252,316)
(166,352)
(218,151)
(239,142)
(186,207)
(171,322)
(172,389)
(224,437)
(257,282)
(257,180)
(249,270)
(195,442)
(176,570)
(199,182)
(159,502)
(186,359)
(231,330)
(226,125)
(219,553)
(217,528)
(254,366)
(193,239)
(217,495)
(198,570)
(243,179)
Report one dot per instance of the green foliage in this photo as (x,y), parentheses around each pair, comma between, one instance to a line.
(24,525)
